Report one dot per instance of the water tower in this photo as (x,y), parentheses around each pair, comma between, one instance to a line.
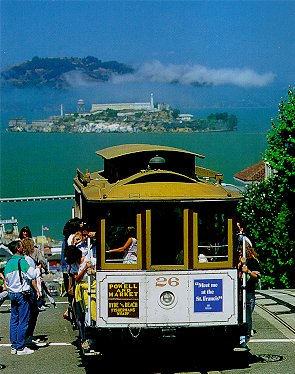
(81,106)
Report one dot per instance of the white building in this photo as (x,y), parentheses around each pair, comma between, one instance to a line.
(185,117)
(124,106)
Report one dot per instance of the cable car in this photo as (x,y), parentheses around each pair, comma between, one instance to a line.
(184,281)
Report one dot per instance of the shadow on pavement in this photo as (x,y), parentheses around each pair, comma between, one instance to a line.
(165,359)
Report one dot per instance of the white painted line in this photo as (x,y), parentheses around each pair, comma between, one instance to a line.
(251,341)
(7,305)
(61,302)
(272,341)
(53,344)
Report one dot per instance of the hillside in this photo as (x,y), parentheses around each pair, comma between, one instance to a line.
(61,72)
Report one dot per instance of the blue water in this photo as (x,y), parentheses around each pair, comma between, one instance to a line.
(34,164)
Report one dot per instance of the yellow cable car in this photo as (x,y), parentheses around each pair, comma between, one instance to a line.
(183,278)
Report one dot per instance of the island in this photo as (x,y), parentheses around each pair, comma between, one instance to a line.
(162,119)
(62,72)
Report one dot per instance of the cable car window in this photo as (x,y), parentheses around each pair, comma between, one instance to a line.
(120,231)
(212,241)
(166,235)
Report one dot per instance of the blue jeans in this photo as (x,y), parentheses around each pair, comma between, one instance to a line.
(34,312)
(250,305)
(19,319)
(249,311)
(80,319)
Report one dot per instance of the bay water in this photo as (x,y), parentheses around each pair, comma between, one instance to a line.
(41,164)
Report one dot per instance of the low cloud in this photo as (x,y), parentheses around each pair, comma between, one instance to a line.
(77,78)
(197,75)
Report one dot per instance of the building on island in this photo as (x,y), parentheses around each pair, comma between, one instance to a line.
(17,122)
(185,117)
(124,106)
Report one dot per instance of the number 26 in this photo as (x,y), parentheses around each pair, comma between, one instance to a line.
(162,282)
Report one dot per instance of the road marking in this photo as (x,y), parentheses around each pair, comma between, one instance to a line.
(7,305)
(197,372)
(61,302)
(251,341)
(52,344)
(272,340)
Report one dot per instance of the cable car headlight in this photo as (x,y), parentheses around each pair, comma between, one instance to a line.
(167,299)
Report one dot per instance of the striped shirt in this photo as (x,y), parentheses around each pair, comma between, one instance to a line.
(11,272)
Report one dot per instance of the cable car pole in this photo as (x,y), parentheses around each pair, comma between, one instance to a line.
(89,283)
(244,282)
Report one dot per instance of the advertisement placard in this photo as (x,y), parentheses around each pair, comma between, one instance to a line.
(208,295)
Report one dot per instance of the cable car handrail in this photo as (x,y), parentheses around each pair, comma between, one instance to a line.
(213,246)
(116,260)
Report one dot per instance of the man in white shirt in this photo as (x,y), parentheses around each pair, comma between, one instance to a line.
(18,277)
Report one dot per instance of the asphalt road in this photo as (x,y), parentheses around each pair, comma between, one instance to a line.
(272,351)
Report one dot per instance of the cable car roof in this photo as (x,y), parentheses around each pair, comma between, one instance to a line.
(150,172)
(128,149)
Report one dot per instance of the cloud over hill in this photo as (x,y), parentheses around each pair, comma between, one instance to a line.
(197,75)
(80,72)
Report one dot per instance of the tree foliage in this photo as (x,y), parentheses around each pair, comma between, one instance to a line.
(267,210)
(281,144)
(51,71)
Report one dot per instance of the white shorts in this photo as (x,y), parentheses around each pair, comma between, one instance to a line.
(130,258)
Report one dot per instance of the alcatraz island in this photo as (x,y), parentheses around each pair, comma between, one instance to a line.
(60,73)
(126,118)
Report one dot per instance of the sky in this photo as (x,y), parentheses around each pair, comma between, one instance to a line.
(188,52)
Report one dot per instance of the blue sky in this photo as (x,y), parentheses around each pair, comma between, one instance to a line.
(242,48)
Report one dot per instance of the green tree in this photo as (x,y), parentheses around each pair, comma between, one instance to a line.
(175,113)
(232,122)
(281,144)
(267,210)
(111,113)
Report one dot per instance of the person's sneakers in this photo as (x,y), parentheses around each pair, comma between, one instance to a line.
(31,343)
(25,351)
(243,347)
(13,351)
(42,308)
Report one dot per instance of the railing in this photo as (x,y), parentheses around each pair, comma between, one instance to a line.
(35,198)
(213,257)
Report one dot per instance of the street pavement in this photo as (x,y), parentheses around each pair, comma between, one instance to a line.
(272,351)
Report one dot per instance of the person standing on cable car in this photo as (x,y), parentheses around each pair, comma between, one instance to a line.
(250,267)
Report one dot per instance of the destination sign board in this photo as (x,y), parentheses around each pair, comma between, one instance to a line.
(123,300)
